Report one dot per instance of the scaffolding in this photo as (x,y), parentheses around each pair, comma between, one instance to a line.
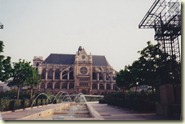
(164,16)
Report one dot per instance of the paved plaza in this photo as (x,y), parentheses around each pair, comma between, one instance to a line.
(107,112)
(115,113)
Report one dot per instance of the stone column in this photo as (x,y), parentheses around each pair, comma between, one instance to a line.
(46,85)
(98,85)
(104,76)
(111,86)
(98,75)
(111,77)
(68,76)
(60,75)
(91,86)
(105,86)
(53,85)
(60,85)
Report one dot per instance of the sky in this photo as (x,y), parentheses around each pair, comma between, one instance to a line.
(101,27)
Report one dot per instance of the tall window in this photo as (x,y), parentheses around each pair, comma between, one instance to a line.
(49,85)
(115,87)
(57,85)
(64,86)
(64,75)
(108,86)
(71,86)
(100,76)
(101,86)
(50,74)
(42,85)
(57,74)
(71,75)
(43,75)
(94,86)
(94,76)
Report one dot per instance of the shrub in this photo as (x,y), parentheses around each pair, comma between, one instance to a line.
(141,102)
(4,104)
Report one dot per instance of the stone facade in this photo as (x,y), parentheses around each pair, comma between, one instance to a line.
(75,73)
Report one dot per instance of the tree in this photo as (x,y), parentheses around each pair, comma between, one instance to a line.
(123,78)
(5,65)
(153,68)
(33,79)
(158,67)
(20,73)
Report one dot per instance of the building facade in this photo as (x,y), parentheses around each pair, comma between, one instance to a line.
(76,73)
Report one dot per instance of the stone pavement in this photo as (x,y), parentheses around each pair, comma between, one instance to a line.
(109,112)
(22,113)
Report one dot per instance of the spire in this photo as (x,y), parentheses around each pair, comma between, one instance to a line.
(79,49)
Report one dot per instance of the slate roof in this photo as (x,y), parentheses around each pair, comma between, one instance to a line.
(99,60)
(68,59)
(60,59)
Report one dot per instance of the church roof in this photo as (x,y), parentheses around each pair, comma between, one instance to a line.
(99,60)
(68,59)
(60,59)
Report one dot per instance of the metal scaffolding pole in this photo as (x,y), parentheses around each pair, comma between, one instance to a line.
(164,16)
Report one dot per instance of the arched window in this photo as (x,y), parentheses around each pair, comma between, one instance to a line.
(50,85)
(64,86)
(94,86)
(64,75)
(57,85)
(101,87)
(115,87)
(108,86)
(100,76)
(43,75)
(50,74)
(107,77)
(42,85)
(57,74)
(71,86)
(94,76)
(71,75)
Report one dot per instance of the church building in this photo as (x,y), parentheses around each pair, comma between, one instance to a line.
(76,73)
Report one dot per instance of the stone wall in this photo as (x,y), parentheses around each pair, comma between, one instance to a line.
(170,101)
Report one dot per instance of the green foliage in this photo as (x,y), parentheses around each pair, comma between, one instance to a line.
(4,104)
(12,95)
(5,65)
(153,68)
(33,79)
(141,102)
(14,104)
(123,78)
(24,75)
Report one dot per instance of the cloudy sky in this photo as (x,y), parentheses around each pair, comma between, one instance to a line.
(102,27)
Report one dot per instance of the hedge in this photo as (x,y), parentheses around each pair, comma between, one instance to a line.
(13,104)
(141,102)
